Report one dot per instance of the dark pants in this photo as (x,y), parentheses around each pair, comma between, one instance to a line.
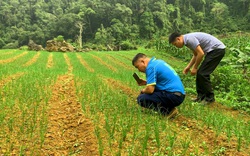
(203,84)
(160,101)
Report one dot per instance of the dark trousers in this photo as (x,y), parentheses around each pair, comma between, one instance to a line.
(160,101)
(203,84)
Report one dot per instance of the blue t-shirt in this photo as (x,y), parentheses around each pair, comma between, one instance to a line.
(163,76)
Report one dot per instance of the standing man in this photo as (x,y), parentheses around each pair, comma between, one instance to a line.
(201,44)
(164,90)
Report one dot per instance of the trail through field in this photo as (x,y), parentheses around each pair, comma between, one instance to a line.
(84,63)
(10,78)
(69,131)
(33,60)
(13,58)
(50,61)
(104,63)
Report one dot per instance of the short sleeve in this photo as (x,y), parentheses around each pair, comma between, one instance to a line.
(192,42)
(151,76)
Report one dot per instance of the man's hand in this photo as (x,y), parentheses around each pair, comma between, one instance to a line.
(193,71)
(148,90)
(186,70)
(142,82)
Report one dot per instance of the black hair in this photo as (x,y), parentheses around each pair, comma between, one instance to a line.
(138,56)
(173,36)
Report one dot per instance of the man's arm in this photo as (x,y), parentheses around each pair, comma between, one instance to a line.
(148,90)
(198,52)
(195,61)
(190,64)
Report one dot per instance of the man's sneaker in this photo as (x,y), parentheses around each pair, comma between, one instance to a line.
(172,113)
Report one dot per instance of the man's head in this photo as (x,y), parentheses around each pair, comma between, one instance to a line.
(140,61)
(176,39)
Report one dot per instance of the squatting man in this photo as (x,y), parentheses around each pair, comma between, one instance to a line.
(164,90)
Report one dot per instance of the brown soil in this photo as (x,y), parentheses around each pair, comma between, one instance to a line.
(84,63)
(50,61)
(33,60)
(104,63)
(13,58)
(69,131)
(10,78)
(122,64)
(70,67)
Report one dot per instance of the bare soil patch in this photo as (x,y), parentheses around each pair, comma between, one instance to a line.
(33,60)
(50,61)
(13,58)
(84,63)
(104,63)
(69,130)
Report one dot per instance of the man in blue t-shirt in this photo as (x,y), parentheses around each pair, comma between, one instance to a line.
(164,90)
(202,44)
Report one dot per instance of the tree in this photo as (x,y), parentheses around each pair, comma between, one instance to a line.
(80,26)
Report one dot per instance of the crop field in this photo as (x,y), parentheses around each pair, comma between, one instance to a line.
(84,104)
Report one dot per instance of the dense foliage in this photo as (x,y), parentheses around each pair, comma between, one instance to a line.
(113,22)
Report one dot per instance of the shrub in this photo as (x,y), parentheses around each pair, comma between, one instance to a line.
(126,45)
(24,47)
(59,38)
(11,46)
(2,43)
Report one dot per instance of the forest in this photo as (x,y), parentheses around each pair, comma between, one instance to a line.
(113,22)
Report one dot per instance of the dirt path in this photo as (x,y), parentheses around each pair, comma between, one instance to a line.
(10,78)
(33,60)
(50,61)
(69,131)
(84,63)
(13,58)
(104,63)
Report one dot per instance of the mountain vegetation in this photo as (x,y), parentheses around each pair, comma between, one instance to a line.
(116,22)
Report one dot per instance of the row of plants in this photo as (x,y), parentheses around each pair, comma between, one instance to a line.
(107,94)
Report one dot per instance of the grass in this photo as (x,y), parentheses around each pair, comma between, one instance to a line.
(107,92)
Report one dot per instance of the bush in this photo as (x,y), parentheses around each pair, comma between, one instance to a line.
(11,46)
(24,48)
(59,38)
(126,45)
(2,43)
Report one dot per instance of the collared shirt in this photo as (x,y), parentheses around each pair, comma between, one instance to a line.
(207,42)
(163,76)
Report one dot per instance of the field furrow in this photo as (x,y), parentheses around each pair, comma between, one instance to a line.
(84,63)
(70,67)
(69,131)
(84,104)
(10,78)
(13,58)
(33,60)
(104,63)
(50,61)
(118,62)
